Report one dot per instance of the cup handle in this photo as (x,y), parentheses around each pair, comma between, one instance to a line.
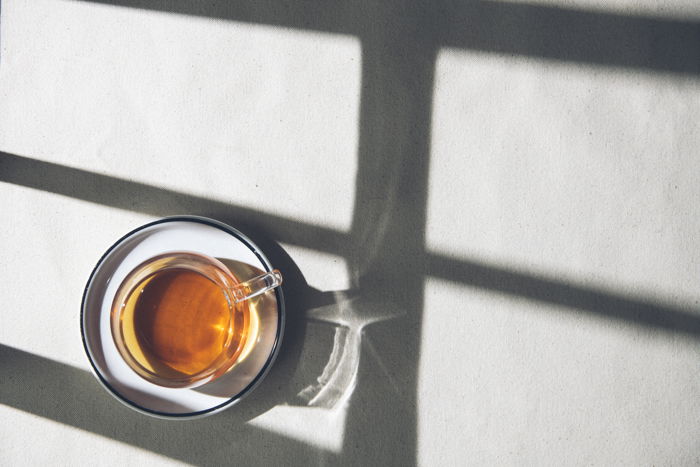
(256,286)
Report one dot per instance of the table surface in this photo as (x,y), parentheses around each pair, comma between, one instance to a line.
(486,214)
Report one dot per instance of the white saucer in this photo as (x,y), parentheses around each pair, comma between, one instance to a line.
(183,233)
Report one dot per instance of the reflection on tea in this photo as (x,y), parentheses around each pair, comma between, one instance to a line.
(177,323)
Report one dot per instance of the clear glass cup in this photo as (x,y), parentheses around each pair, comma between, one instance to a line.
(182,319)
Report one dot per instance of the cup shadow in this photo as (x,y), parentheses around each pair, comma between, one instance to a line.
(308,346)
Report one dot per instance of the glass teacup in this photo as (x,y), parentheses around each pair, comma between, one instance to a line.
(181,319)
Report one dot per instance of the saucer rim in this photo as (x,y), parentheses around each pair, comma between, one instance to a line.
(234,399)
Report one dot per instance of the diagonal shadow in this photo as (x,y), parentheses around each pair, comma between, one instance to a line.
(139,197)
(549,32)
(576,298)
(68,395)
(570,35)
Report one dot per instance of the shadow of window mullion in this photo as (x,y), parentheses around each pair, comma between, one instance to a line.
(71,396)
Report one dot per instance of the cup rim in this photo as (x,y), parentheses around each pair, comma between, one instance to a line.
(235,398)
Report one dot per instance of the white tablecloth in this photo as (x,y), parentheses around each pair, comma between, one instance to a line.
(488,213)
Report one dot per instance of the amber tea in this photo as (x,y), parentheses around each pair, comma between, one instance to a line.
(177,323)
(182,318)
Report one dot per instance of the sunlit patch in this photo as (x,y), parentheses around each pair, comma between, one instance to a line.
(240,113)
(314,426)
(322,271)
(564,170)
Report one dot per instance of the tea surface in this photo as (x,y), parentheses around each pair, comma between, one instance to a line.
(177,323)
